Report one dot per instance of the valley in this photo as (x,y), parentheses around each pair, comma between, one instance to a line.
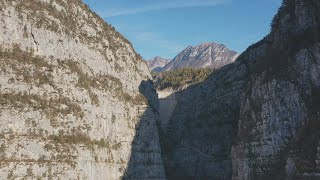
(78,102)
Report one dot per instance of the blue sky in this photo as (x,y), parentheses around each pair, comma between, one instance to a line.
(166,27)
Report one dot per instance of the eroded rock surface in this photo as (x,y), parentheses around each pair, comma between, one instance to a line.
(257,118)
(70,102)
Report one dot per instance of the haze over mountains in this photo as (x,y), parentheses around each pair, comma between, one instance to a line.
(206,55)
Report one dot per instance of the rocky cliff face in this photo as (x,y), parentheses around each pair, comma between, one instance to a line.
(71,96)
(279,110)
(210,55)
(257,118)
(200,134)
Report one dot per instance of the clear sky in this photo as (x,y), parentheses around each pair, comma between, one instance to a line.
(166,27)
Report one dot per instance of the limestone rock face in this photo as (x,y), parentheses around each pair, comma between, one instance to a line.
(70,96)
(199,136)
(257,118)
(279,111)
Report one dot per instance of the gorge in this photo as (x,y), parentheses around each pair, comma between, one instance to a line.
(78,102)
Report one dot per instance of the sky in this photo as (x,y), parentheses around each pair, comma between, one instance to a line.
(166,27)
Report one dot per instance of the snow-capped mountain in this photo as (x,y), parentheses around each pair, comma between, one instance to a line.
(211,55)
(157,63)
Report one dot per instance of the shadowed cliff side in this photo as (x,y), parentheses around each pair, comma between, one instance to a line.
(199,136)
(146,161)
(257,118)
(279,116)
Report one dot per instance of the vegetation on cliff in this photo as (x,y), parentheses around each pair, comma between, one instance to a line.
(179,78)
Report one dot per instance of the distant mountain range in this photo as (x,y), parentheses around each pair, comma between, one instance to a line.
(211,55)
(157,63)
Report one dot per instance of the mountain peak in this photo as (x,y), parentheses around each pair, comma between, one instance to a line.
(209,54)
(208,44)
(157,63)
(205,44)
(159,58)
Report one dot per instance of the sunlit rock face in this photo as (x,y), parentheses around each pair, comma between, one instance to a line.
(70,96)
(257,118)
